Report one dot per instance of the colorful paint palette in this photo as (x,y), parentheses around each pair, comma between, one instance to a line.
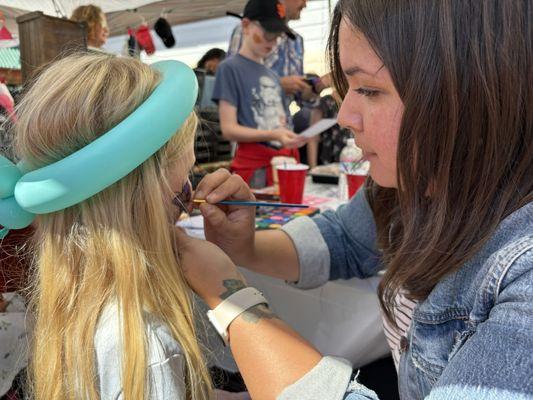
(275,218)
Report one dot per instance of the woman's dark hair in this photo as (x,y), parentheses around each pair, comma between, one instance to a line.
(463,69)
(214,53)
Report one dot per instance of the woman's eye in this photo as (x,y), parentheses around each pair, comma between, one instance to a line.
(367,92)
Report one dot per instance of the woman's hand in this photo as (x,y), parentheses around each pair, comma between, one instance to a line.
(232,228)
(208,270)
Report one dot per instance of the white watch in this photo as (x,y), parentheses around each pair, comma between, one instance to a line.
(224,314)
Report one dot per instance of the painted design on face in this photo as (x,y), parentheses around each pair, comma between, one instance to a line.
(280,9)
(257,38)
(183,199)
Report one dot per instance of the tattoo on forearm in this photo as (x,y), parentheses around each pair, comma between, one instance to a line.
(254,314)
(232,286)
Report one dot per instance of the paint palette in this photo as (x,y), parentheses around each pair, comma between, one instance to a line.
(276,217)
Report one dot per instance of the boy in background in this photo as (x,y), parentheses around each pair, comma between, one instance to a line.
(250,98)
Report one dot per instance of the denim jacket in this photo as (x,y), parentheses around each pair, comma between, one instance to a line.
(472,338)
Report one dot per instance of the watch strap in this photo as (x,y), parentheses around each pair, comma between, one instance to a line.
(226,312)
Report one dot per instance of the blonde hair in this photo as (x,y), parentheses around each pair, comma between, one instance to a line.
(90,14)
(116,247)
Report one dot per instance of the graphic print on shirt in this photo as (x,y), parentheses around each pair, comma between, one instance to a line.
(267,105)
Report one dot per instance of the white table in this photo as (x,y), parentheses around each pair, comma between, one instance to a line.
(341,318)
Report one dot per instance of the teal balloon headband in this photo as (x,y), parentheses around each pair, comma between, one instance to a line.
(102,162)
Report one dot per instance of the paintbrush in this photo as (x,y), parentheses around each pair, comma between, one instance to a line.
(253,203)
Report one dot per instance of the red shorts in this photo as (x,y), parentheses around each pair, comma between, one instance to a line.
(250,157)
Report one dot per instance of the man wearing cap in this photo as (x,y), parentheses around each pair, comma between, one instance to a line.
(251,103)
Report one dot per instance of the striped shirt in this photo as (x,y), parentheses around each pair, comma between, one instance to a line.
(397,337)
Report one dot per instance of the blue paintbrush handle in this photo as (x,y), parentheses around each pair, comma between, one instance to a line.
(260,204)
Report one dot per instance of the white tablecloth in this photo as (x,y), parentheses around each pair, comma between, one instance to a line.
(341,318)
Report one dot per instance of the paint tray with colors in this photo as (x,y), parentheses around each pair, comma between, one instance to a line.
(275,218)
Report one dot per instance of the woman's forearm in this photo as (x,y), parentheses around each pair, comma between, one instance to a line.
(274,255)
(270,355)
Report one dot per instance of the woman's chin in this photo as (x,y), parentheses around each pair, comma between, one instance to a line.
(382,178)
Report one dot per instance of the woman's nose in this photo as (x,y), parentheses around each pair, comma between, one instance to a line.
(349,116)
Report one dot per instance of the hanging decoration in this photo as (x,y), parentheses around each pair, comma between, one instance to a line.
(6,38)
(164,31)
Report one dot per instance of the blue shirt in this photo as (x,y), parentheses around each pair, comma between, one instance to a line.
(286,59)
(471,338)
(254,90)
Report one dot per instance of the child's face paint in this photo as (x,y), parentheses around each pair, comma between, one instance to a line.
(261,42)
(257,38)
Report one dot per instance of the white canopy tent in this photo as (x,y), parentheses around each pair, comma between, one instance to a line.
(197,24)
(124,13)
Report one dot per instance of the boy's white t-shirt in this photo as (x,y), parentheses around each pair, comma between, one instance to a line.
(166,362)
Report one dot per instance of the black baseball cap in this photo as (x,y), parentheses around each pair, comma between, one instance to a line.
(269,13)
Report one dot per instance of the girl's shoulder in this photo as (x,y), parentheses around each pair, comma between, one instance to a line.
(108,336)
(161,342)
(165,359)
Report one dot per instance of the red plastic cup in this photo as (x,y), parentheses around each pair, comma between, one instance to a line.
(291,182)
(355,181)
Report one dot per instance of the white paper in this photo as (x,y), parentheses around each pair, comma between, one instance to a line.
(319,127)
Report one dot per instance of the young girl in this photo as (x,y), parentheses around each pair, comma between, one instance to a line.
(438,95)
(113,313)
